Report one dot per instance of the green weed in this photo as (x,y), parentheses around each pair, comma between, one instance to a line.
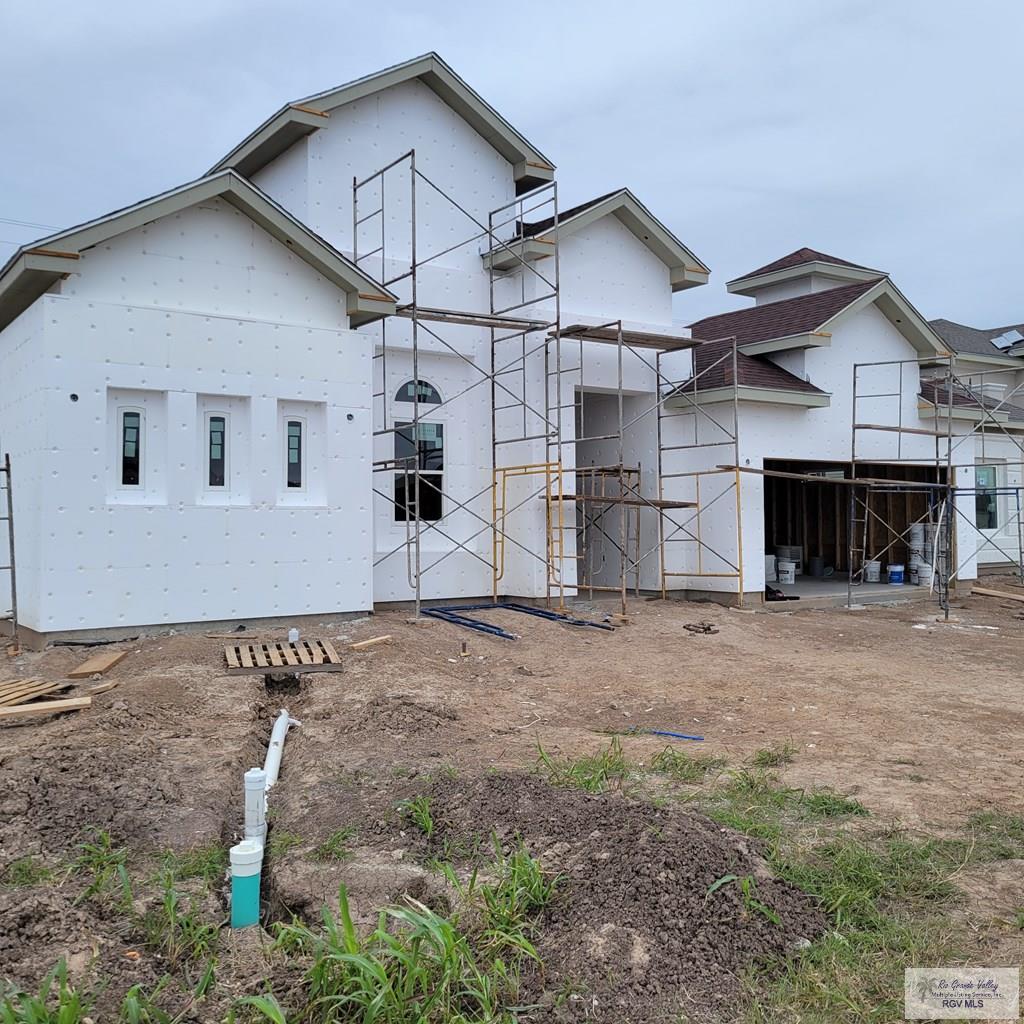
(748,896)
(210,863)
(825,803)
(592,773)
(335,846)
(107,867)
(281,841)
(56,1002)
(417,810)
(179,932)
(26,871)
(683,767)
(774,756)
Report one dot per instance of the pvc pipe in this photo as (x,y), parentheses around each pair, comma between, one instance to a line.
(246,865)
(272,764)
(256,805)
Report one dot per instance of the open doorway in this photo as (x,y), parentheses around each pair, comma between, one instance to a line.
(808,523)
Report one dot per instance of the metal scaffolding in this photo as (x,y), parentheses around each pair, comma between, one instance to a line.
(954,394)
(530,351)
(8,570)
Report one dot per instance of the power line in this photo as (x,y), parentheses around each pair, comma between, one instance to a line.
(24,223)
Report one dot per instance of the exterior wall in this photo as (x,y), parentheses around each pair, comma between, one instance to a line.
(194,313)
(23,435)
(1004,543)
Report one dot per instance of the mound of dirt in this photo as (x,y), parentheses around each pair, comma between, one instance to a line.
(400,714)
(634,934)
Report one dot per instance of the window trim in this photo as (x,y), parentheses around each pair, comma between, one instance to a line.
(140,447)
(303,423)
(208,416)
(997,470)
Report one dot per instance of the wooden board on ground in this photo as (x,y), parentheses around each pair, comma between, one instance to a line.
(997,593)
(362,645)
(97,664)
(103,687)
(46,707)
(28,689)
(281,657)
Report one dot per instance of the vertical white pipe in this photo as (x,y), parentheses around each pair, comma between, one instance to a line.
(256,804)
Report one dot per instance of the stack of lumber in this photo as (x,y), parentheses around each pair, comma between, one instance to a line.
(18,697)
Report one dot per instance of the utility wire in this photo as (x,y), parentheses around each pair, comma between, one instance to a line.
(24,223)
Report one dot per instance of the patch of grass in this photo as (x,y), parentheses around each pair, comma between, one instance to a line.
(592,773)
(210,863)
(107,867)
(335,846)
(26,871)
(281,841)
(56,1002)
(826,803)
(415,966)
(685,768)
(417,811)
(177,931)
(996,836)
(774,756)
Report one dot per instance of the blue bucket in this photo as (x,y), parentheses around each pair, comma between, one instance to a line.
(896,575)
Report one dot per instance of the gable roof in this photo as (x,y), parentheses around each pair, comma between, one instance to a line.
(936,392)
(35,267)
(303,117)
(799,264)
(770,325)
(685,270)
(975,340)
(799,258)
(712,367)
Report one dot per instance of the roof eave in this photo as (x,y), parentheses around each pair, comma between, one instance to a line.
(299,119)
(809,339)
(750,285)
(748,393)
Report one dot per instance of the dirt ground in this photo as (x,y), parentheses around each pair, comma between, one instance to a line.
(920,720)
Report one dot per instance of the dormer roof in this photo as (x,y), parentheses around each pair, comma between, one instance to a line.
(798,264)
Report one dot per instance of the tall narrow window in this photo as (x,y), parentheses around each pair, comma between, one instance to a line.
(427,452)
(217,442)
(294,453)
(131,442)
(986,494)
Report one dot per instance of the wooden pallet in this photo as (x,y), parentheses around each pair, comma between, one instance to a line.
(284,658)
(19,691)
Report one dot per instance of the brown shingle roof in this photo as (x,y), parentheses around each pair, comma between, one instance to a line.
(936,392)
(712,363)
(527,228)
(770,320)
(798,258)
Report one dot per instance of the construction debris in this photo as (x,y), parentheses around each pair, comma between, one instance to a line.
(701,627)
(98,664)
(362,645)
(18,691)
(295,658)
(996,593)
(46,707)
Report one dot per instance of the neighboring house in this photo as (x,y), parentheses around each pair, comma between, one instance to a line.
(814,317)
(991,362)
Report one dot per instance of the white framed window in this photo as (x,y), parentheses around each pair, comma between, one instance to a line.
(131,432)
(296,443)
(216,444)
(986,496)
(419,446)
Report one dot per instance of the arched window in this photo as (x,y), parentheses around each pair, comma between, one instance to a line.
(418,391)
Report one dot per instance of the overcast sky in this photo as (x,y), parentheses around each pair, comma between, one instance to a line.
(889,133)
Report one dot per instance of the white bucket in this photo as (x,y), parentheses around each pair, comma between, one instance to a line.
(769,568)
(787,571)
(872,571)
(791,553)
(924,575)
(914,570)
(917,535)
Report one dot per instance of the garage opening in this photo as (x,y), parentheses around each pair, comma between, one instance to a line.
(808,522)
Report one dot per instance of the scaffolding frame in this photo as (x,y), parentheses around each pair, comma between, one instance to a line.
(953,390)
(509,324)
(7,518)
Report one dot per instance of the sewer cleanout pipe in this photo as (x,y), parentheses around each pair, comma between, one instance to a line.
(247,856)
